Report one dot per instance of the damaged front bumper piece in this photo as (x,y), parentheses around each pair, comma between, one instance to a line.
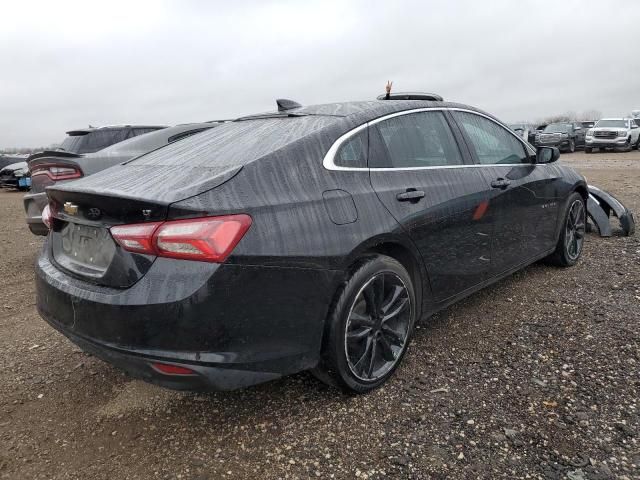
(601,205)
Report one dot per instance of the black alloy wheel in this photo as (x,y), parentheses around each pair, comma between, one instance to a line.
(571,241)
(377,326)
(575,229)
(369,327)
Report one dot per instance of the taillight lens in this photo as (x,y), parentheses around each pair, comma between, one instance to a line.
(137,237)
(207,239)
(56,172)
(46,216)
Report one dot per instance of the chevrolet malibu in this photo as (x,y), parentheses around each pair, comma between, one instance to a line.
(308,238)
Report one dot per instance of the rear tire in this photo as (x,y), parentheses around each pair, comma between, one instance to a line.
(571,238)
(369,326)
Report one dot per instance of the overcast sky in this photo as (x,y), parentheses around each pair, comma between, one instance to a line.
(69,64)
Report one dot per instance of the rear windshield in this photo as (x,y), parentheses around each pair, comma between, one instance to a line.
(236,143)
(72,143)
(612,123)
(93,141)
(557,127)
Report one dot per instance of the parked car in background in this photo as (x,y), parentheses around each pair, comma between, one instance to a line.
(587,124)
(307,238)
(15,176)
(93,139)
(567,136)
(49,168)
(8,159)
(615,133)
(526,130)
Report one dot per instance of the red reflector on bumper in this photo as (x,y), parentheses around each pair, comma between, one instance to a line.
(168,369)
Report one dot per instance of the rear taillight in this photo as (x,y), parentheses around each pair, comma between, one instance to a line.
(207,239)
(56,172)
(46,216)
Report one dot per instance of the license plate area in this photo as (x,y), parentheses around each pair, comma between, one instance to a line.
(83,249)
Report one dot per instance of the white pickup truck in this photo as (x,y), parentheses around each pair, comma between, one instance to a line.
(616,133)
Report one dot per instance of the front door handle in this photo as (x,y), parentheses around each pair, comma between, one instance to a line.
(411,195)
(500,183)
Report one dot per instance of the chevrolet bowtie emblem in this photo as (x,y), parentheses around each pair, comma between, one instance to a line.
(70,208)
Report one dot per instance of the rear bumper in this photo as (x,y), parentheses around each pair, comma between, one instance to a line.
(233,325)
(138,364)
(34,203)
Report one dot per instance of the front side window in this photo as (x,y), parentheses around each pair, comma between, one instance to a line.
(353,153)
(492,143)
(421,139)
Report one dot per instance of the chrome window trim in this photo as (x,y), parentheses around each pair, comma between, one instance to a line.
(329,164)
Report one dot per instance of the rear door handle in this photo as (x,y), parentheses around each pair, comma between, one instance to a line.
(500,183)
(411,195)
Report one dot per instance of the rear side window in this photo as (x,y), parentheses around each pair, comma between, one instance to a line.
(353,153)
(492,143)
(421,139)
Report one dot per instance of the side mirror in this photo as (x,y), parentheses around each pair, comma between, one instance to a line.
(547,155)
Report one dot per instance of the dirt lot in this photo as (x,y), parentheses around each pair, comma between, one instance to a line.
(536,377)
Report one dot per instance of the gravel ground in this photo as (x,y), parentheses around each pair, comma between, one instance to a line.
(535,377)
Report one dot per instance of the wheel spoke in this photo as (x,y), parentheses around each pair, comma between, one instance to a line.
(367,349)
(359,319)
(391,335)
(397,310)
(372,361)
(393,296)
(359,334)
(386,350)
(370,300)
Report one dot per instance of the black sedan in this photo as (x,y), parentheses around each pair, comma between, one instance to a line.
(305,238)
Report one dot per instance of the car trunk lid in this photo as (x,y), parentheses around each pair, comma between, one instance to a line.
(81,243)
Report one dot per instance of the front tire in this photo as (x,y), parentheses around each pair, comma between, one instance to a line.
(369,326)
(571,238)
(637,144)
(588,150)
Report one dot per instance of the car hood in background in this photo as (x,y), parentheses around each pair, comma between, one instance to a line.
(15,166)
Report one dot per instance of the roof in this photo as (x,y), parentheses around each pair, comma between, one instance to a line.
(360,111)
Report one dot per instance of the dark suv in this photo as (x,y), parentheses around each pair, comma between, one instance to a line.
(92,139)
(564,135)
